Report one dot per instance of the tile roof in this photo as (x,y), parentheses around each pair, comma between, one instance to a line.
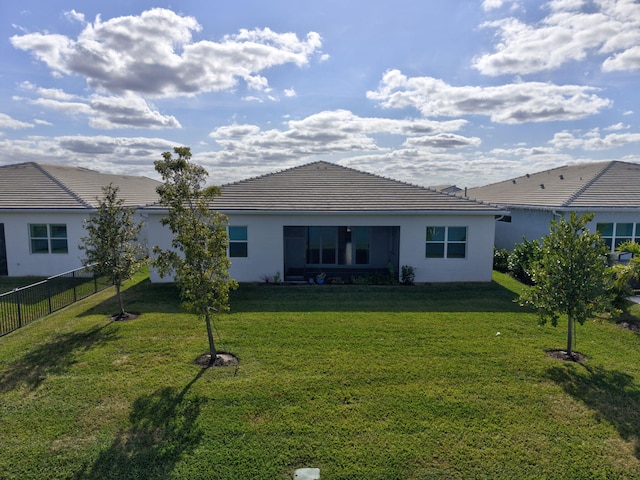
(590,185)
(323,186)
(45,186)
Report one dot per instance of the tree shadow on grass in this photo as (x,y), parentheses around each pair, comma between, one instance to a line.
(52,358)
(142,297)
(163,428)
(613,395)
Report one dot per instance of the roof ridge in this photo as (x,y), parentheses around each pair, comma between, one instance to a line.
(61,184)
(264,175)
(588,184)
(321,162)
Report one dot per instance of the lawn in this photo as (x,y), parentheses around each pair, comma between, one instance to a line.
(362,382)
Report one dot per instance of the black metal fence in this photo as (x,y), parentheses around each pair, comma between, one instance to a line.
(22,306)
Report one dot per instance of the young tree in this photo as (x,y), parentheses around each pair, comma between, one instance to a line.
(198,258)
(571,277)
(111,246)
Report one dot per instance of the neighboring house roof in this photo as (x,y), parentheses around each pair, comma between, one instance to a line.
(612,184)
(46,186)
(323,186)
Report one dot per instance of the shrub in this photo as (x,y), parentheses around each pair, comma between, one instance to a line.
(407,275)
(501,260)
(522,258)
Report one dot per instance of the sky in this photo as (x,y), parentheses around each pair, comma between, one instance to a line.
(437,92)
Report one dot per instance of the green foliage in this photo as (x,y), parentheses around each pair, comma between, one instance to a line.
(522,258)
(571,277)
(198,260)
(627,273)
(111,246)
(501,260)
(407,275)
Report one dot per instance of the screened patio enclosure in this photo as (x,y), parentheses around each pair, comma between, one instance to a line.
(339,251)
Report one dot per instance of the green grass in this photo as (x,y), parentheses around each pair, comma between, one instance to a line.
(9,283)
(361,382)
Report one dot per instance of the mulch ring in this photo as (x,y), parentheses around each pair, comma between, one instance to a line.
(563,355)
(124,317)
(223,359)
(632,325)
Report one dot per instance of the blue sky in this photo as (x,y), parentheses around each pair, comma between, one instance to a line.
(429,92)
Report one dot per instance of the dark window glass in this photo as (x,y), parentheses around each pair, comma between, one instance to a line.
(238,245)
(605,229)
(435,250)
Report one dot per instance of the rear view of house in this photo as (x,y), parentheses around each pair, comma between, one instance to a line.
(325,218)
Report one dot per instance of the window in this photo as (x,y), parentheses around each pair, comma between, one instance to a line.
(446,242)
(238,242)
(48,238)
(614,234)
(338,245)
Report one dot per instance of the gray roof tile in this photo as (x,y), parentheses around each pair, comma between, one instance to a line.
(589,185)
(324,186)
(46,186)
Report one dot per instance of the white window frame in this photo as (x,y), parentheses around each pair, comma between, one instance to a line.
(446,241)
(238,242)
(51,240)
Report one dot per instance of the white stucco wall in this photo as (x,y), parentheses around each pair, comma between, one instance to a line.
(20,260)
(266,249)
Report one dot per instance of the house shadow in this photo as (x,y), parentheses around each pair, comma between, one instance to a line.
(54,357)
(163,428)
(444,297)
(614,396)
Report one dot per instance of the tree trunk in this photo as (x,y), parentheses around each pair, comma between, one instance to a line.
(570,336)
(212,346)
(119,296)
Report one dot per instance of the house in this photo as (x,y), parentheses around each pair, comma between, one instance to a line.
(610,190)
(322,217)
(42,209)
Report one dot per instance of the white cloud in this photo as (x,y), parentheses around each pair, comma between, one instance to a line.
(627,60)
(290,92)
(128,111)
(617,126)
(154,54)
(104,112)
(572,31)
(488,5)
(443,140)
(511,104)
(6,122)
(592,140)
(74,16)
(128,155)
(492,4)
(331,133)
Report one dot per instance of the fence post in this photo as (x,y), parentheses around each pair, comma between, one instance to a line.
(75,294)
(19,309)
(49,295)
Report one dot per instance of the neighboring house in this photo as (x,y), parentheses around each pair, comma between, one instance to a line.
(322,217)
(609,190)
(42,208)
